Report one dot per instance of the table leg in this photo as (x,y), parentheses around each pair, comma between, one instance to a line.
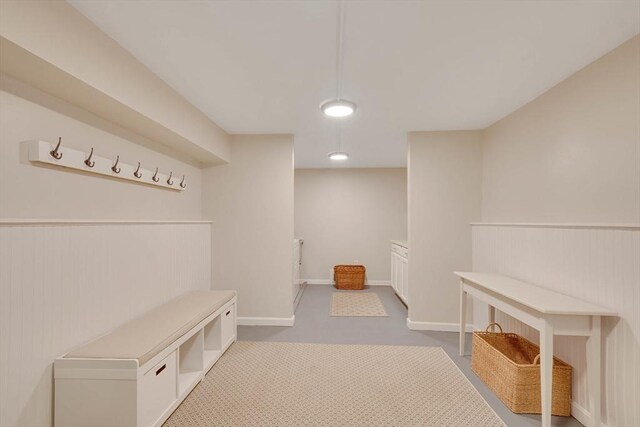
(593,370)
(546,371)
(492,314)
(463,317)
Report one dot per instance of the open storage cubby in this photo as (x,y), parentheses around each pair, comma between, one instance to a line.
(212,341)
(191,363)
(121,391)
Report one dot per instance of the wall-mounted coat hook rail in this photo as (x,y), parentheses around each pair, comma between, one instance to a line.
(52,154)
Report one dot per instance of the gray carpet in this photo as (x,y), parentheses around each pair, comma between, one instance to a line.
(314,325)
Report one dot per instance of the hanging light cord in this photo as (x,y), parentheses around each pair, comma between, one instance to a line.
(339,47)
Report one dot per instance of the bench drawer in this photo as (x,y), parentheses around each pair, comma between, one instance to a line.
(157,390)
(228,324)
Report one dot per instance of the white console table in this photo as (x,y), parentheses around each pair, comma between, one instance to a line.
(549,312)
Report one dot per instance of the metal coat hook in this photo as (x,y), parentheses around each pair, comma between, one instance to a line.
(155,176)
(182,183)
(55,153)
(137,172)
(169,179)
(88,162)
(115,167)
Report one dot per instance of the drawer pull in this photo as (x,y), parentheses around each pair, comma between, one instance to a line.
(161,369)
(228,312)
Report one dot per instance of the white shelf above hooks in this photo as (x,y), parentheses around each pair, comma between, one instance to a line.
(41,152)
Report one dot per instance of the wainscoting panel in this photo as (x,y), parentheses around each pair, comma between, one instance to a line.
(62,284)
(600,264)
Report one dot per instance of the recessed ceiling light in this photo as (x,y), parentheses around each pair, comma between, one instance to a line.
(338,108)
(338,155)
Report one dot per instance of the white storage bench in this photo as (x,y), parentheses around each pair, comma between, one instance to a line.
(138,374)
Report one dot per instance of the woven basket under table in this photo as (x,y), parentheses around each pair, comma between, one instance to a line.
(507,363)
(349,277)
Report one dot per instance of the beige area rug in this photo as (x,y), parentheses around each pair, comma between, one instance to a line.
(295,384)
(366,304)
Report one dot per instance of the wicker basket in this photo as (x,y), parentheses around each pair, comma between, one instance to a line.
(508,364)
(349,276)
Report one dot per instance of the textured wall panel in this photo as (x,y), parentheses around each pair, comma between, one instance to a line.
(597,264)
(62,285)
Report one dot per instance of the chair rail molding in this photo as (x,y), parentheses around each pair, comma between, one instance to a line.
(596,262)
(65,282)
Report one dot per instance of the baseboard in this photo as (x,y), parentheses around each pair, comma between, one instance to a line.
(318,281)
(331,282)
(378,283)
(266,321)
(437,326)
(581,414)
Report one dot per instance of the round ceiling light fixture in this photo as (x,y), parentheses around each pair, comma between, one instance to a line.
(338,108)
(338,155)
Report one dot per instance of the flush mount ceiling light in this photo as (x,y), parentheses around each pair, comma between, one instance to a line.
(338,155)
(339,107)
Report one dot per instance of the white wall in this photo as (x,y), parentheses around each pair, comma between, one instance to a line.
(62,285)
(572,154)
(444,197)
(30,191)
(600,265)
(348,215)
(80,63)
(250,202)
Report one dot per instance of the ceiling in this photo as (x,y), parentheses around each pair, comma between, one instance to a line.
(265,66)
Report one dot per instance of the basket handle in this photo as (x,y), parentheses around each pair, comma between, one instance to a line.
(492,324)
(536,360)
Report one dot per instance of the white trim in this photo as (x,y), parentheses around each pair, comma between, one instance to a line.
(318,281)
(71,159)
(266,321)
(401,243)
(331,282)
(378,282)
(45,221)
(595,225)
(436,326)
(582,415)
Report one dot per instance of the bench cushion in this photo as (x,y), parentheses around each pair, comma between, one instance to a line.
(148,335)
